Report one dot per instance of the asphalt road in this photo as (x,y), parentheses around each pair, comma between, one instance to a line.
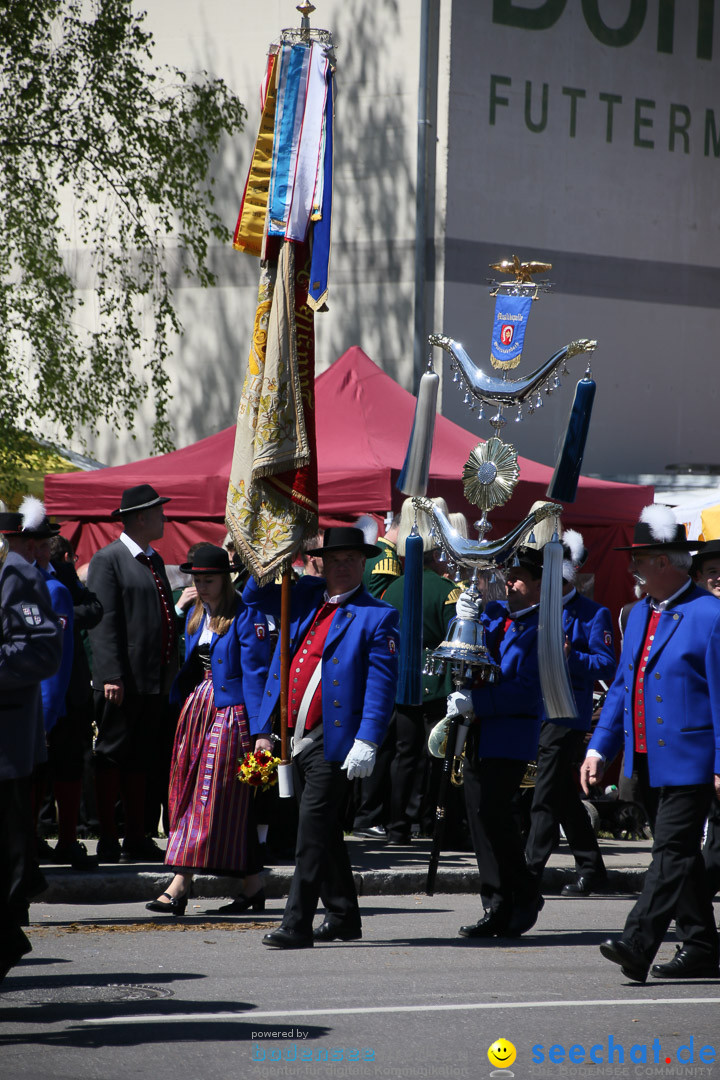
(108,993)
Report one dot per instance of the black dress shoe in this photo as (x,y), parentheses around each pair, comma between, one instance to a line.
(373,832)
(688,963)
(632,963)
(108,850)
(45,852)
(17,946)
(145,850)
(175,905)
(336,931)
(584,886)
(287,939)
(492,924)
(241,904)
(76,855)
(524,917)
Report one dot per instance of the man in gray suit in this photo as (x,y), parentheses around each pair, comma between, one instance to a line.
(30,650)
(134,661)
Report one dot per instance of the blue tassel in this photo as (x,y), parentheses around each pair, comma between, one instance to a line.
(563,485)
(413,480)
(411,625)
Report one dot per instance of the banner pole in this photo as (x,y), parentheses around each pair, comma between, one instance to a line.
(284,663)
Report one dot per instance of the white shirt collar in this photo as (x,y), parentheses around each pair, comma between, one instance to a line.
(341,597)
(522,611)
(663,605)
(134,548)
(207,634)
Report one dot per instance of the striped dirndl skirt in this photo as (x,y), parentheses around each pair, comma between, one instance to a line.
(209,807)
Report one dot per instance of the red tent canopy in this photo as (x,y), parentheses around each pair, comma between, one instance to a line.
(363,420)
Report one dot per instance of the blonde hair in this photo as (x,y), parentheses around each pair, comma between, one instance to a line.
(460,524)
(221,621)
(424,524)
(544,531)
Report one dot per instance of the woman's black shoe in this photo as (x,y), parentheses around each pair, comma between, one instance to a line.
(176,905)
(242,903)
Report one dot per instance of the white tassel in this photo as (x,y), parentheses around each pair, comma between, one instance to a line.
(554,680)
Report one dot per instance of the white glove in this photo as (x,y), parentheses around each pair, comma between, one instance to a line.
(467,606)
(360,762)
(459,703)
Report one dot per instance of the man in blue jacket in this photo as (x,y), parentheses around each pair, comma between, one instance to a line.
(343,677)
(30,650)
(498,748)
(664,705)
(556,799)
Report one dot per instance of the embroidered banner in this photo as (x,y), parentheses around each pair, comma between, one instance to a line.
(250,229)
(309,156)
(272,495)
(322,215)
(289,115)
(508,335)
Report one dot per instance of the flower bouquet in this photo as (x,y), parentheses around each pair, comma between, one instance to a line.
(258,769)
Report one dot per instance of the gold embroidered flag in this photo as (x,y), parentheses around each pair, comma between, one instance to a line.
(272,495)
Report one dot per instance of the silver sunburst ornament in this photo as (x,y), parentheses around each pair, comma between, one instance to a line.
(490,474)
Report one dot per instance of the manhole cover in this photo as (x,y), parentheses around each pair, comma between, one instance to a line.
(76,995)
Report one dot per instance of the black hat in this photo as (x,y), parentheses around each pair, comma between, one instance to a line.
(657,530)
(530,559)
(43,531)
(10,524)
(708,549)
(208,559)
(140,497)
(344,538)
(35,523)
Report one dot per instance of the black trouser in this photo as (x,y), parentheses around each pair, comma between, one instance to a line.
(132,753)
(322,864)
(489,785)
(675,884)
(18,866)
(556,801)
(373,803)
(711,848)
(409,771)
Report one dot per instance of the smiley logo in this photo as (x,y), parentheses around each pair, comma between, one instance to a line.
(502,1053)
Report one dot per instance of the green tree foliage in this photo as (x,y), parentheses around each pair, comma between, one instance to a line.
(105,193)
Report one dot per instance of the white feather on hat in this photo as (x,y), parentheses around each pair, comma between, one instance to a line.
(574,544)
(33,512)
(369,527)
(661,522)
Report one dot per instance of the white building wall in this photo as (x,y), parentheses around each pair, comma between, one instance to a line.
(630,218)
(372,268)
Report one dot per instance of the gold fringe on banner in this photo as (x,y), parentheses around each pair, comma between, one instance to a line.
(250,229)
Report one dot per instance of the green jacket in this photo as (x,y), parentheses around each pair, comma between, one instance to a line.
(382,570)
(439,599)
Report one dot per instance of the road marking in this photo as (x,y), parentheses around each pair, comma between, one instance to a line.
(295,1014)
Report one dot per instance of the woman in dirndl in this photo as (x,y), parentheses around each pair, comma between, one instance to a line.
(227,653)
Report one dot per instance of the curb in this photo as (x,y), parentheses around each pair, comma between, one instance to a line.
(66,886)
